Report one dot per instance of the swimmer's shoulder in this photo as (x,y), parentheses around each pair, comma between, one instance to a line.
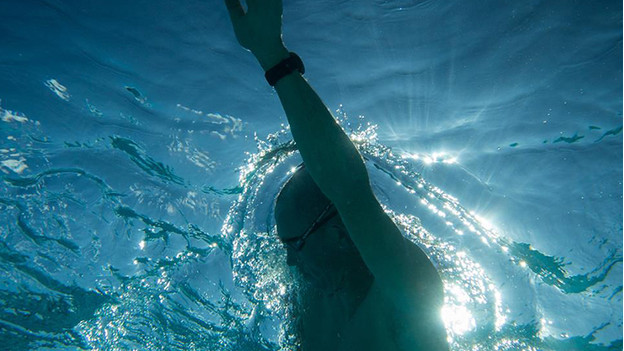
(383,323)
(413,326)
(397,264)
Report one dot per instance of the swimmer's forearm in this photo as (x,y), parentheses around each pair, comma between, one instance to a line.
(330,157)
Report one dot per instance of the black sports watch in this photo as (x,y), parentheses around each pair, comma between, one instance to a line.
(284,68)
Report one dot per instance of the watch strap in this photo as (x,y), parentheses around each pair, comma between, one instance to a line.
(284,68)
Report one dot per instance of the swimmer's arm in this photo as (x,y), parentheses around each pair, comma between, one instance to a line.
(332,160)
(339,171)
(336,166)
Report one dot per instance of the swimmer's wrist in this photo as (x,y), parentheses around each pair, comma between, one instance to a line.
(271,57)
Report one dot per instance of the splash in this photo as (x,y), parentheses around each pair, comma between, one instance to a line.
(57,88)
(482,309)
(122,277)
(140,157)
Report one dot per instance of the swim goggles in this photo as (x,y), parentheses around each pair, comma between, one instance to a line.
(297,242)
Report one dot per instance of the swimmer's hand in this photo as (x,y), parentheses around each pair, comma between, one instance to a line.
(259,29)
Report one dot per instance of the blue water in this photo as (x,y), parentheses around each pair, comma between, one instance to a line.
(142,149)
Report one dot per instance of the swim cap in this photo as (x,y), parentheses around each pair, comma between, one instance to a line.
(298,204)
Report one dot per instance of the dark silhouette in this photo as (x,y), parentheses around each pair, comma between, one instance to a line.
(369,287)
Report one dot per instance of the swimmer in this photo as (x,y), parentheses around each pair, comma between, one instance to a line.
(366,286)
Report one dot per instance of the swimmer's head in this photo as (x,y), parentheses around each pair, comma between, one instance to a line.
(299,203)
(308,223)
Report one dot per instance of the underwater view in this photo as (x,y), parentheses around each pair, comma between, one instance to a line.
(142,152)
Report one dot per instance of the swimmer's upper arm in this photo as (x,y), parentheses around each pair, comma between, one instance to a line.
(396,263)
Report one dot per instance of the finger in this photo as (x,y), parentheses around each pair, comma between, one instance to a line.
(235,9)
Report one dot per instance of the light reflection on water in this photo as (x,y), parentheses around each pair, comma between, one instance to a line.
(120,126)
(478,314)
(176,292)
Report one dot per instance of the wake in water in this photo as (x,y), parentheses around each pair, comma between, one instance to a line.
(92,265)
(493,285)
